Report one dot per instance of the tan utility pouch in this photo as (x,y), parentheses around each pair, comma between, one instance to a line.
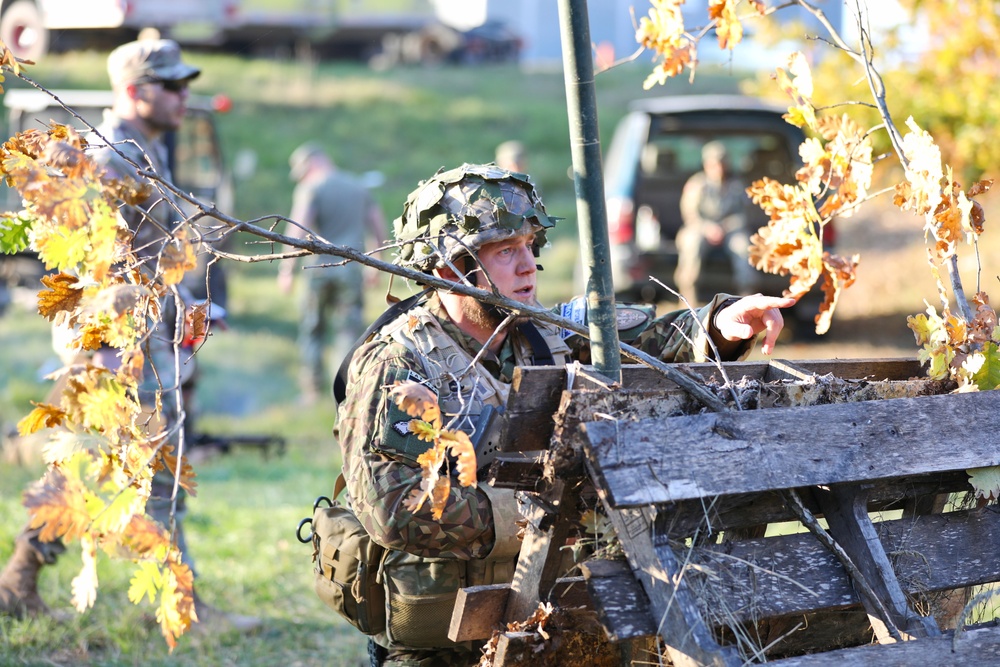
(347,563)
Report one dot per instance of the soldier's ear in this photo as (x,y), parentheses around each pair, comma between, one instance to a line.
(445,273)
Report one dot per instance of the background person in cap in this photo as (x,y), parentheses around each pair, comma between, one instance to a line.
(713,206)
(487,224)
(150,81)
(336,206)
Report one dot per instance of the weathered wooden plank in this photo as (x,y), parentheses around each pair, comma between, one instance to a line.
(619,600)
(794,574)
(535,390)
(479,610)
(667,460)
(734,512)
(973,648)
(539,561)
(514,649)
(845,508)
(675,611)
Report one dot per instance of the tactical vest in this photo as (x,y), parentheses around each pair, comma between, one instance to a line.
(421,592)
(468,395)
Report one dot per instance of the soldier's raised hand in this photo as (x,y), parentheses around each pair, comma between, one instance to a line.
(750,316)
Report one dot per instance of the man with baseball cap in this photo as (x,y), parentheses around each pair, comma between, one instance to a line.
(150,81)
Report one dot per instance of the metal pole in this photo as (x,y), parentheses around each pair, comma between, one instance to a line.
(581,104)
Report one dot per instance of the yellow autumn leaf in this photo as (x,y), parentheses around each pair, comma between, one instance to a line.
(924,171)
(172,622)
(728,28)
(145,582)
(923,327)
(42,416)
(423,430)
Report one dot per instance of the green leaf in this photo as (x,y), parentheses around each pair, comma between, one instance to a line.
(986,481)
(988,375)
(13,233)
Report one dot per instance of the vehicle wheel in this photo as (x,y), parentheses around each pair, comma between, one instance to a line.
(22,30)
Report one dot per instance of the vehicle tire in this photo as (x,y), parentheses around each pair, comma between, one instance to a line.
(22,30)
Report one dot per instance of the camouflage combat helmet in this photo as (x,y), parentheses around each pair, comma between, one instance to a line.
(460,210)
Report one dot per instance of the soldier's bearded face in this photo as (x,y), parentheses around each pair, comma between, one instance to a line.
(511,267)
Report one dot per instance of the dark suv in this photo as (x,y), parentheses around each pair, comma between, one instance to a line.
(654,150)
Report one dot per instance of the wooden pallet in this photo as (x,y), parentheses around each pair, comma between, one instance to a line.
(874,470)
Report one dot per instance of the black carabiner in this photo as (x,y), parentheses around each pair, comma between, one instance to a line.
(329,503)
(298,531)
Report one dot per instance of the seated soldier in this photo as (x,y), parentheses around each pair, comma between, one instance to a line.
(713,206)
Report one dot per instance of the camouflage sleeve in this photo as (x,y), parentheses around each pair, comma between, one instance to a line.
(678,337)
(381,471)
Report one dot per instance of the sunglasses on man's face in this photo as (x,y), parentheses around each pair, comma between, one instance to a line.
(175,86)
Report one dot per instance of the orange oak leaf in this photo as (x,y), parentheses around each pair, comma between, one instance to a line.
(62,295)
(44,415)
(145,536)
(461,447)
(58,505)
(177,258)
(417,400)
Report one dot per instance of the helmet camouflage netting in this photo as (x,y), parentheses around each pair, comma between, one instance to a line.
(462,209)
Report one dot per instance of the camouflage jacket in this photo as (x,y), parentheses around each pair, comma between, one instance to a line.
(381,470)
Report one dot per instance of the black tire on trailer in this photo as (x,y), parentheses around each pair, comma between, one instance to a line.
(22,30)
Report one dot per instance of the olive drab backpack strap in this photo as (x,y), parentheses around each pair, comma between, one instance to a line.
(391,313)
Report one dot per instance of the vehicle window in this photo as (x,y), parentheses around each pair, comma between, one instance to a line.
(751,156)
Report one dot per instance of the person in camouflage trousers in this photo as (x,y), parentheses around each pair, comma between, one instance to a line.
(485,224)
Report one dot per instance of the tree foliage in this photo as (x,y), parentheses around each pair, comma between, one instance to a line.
(835,180)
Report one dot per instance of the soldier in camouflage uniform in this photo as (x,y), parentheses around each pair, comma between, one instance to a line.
(487,224)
